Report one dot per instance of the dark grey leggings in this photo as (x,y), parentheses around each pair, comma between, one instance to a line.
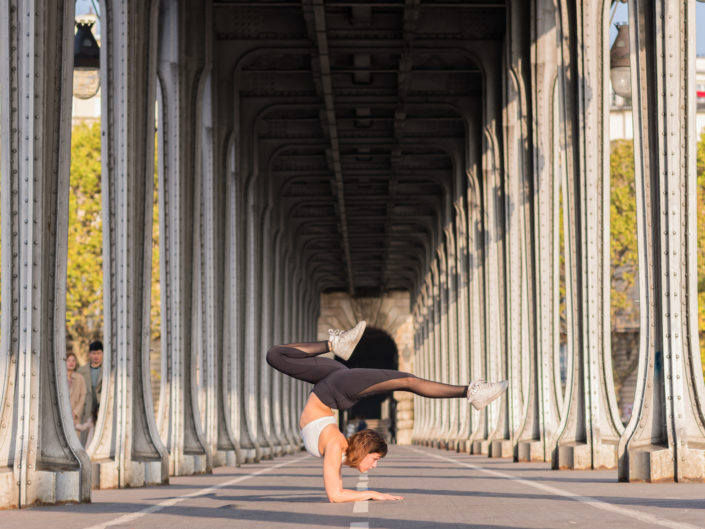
(340,387)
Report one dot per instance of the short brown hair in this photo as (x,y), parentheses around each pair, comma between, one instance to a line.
(362,443)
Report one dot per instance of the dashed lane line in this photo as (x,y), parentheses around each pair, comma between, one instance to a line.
(361,506)
(127,518)
(593,502)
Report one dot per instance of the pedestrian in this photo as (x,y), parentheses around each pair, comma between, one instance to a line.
(337,387)
(77,390)
(93,376)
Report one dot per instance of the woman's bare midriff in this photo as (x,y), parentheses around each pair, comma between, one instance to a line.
(315,409)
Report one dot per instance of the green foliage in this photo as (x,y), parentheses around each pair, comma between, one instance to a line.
(155,310)
(84,295)
(701,244)
(624,258)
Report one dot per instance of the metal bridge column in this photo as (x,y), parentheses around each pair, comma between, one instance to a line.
(454,376)
(590,425)
(181,429)
(476,248)
(463,317)
(443,352)
(40,454)
(126,431)
(665,437)
(537,436)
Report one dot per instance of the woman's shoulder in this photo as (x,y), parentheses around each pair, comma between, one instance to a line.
(334,437)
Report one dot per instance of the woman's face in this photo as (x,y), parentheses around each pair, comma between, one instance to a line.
(369,462)
(71,363)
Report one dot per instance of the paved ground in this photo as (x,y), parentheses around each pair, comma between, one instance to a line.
(442,490)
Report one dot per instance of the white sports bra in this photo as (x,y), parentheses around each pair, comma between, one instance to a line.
(312,431)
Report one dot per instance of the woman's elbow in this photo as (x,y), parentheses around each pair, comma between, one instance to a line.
(335,498)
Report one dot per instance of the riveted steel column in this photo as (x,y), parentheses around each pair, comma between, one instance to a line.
(455,405)
(427,358)
(415,314)
(126,431)
(218,433)
(39,451)
(665,436)
(538,434)
(279,405)
(436,405)
(288,383)
(494,304)
(232,385)
(476,261)
(421,414)
(516,313)
(267,389)
(253,318)
(590,427)
(234,207)
(442,353)
(182,431)
(463,313)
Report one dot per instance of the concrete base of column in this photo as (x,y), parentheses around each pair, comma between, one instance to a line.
(580,456)
(191,464)
(47,488)
(655,463)
(139,474)
(573,456)
(6,499)
(651,463)
(221,458)
(501,448)
(249,455)
(693,465)
(481,447)
(528,451)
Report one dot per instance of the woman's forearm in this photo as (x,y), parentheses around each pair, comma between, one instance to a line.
(347,495)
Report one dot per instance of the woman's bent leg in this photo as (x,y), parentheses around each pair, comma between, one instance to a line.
(302,362)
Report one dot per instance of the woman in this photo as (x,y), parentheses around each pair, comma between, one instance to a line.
(77,390)
(337,387)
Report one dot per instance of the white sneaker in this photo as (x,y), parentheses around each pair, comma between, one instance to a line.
(343,343)
(481,393)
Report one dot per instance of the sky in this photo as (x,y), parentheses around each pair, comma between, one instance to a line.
(621,16)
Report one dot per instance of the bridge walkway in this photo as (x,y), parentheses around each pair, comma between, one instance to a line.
(442,490)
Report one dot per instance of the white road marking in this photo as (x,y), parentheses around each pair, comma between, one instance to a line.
(361,506)
(127,518)
(360,525)
(593,502)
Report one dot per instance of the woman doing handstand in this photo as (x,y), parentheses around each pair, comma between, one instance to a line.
(337,387)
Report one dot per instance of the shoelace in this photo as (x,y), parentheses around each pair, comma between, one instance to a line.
(335,332)
(476,386)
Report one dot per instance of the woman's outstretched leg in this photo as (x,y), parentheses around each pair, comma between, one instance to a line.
(478,393)
(347,387)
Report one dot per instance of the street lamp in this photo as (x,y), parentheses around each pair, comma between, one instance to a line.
(619,63)
(86,62)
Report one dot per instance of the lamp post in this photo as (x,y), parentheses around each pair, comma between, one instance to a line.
(86,62)
(620,74)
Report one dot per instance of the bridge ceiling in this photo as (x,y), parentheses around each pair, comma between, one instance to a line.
(363,114)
